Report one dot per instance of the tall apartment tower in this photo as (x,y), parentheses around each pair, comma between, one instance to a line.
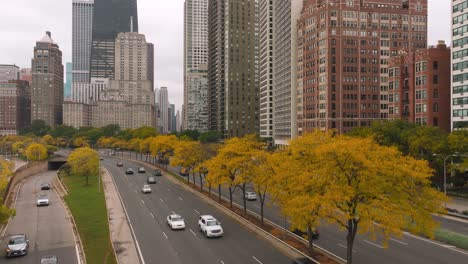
(15,106)
(110,17)
(419,86)
(164,110)
(150,63)
(196,65)
(459,93)
(345,47)
(47,82)
(233,66)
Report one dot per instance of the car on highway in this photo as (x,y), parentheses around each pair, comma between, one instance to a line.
(45,186)
(151,180)
(250,196)
(141,170)
(146,189)
(51,259)
(101,158)
(129,171)
(209,226)
(119,164)
(42,200)
(175,221)
(112,153)
(183,172)
(157,173)
(303,234)
(18,245)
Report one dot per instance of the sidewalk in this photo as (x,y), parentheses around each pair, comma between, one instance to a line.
(460,204)
(121,236)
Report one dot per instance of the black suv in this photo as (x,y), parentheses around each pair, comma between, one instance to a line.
(157,173)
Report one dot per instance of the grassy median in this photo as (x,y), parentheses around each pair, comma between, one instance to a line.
(452,238)
(88,207)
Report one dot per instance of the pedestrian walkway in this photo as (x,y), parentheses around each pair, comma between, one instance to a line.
(460,204)
(121,235)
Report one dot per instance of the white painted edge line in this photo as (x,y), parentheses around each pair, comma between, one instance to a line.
(367,241)
(222,262)
(196,211)
(140,254)
(398,241)
(256,259)
(438,244)
(165,235)
(193,232)
(346,247)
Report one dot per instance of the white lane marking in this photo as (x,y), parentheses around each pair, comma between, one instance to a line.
(193,232)
(161,200)
(142,201)
(196,211)
(222,262)
(257,259)
(165,234)
(152,215)
(449,246)
(398,241)
(181,199)
(346,247)
(367,241)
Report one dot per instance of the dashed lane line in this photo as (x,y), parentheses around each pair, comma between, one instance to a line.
(256,259)
(398,241)
(343,246)
(367,241)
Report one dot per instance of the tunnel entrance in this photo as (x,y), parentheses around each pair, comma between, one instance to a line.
(56,163)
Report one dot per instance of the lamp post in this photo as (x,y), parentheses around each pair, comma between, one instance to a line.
(445,168)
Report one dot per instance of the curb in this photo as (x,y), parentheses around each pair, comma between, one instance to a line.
(104,170)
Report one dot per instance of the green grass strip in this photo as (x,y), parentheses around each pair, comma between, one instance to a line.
(452,238)
(88,207)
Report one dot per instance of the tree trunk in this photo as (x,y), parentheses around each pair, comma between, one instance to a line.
(262,203)
(352,230)
(200,175)
(310,239)
(230,196)
(209,189)
(244,199)
(219,192)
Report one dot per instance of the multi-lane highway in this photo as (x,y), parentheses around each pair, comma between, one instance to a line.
(48,228)
(408,249)
(159,244)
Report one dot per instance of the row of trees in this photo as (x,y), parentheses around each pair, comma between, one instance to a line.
(6,172)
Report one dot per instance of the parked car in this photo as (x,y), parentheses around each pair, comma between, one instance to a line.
(157,173)
(45,186)
(18,245)
(141,170)
(183,172)
(51,259)
(146,189)
(129,171)
(209,226)
(176,221)
(42,200)
(303,234)
(119,164)
(151,180)
(250,196)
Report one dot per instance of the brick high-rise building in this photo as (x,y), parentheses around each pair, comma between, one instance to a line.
(419,86)
(47,82)
(345,47)
(233,66)
(15,106)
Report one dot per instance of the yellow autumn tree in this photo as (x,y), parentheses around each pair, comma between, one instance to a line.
(84,162)
(188,154)
(80,142)
(36,152)
(162,147)
(49,140)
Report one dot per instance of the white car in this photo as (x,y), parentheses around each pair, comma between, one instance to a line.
(250,196)
(42,200)
(209,226)
(176,221)
(146,189)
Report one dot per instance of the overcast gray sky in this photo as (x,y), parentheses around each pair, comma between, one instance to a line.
(23,22)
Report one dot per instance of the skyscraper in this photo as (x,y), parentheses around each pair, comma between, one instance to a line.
(164,110)
(82,29)
(459,93)
(233,66)
(345,48)
(47,82)
(150,63)
(195,65)
(110,17)
(67,91)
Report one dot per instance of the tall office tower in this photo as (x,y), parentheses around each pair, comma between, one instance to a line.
(459,93)
(419,86)
(26,75)
(163,110)
(82,29)
(233,66)
(47,82)
(15,106)
(150,63)
(172,118)
(110,18)
(178,121)
(8,72)
(267,50)
(345,50)
(67,90)
(196,65)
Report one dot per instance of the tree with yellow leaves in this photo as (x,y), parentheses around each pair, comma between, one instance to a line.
(84,162)
(358,184)
(188,154)
(80,142)
(49,140)
(36,152)
(6,172)
(161,147)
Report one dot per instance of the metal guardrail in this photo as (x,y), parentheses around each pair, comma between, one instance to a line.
(458,215)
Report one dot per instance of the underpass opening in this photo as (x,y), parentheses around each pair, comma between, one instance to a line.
(55,164)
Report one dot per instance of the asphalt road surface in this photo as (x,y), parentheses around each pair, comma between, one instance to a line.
(48,228)
(407,249)
(159,244)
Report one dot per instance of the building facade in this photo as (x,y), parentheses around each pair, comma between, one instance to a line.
(233,67)
(47,82)
(459,93)
(67,90)
(164,110)
(345,49)
(26,75)
(15,106)
(76,114)
(150,63)
(9,73)
(419,87)
(195,65)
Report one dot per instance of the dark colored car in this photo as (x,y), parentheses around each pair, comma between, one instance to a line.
(119,164)
(157,173)
(129,171)
(151,180)
(18,245)
(184,172)
(303,234)
(51,259)
(45,186)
